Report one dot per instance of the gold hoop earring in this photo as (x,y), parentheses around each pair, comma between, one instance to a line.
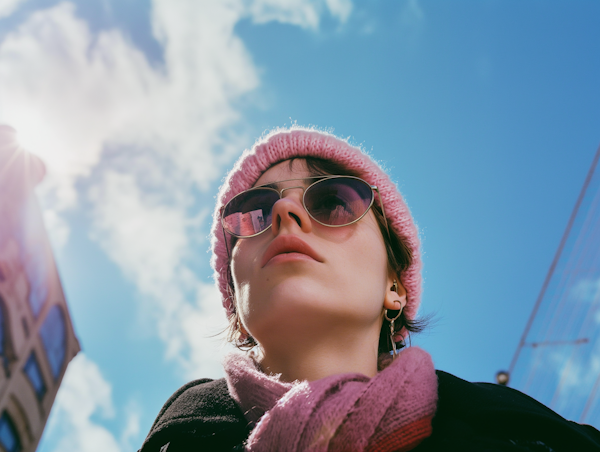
(392,332)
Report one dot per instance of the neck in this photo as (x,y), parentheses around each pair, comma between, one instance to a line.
(313,358)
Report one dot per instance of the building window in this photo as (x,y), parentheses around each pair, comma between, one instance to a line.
(54,338)
(2,328)
(9,438)
(34,374)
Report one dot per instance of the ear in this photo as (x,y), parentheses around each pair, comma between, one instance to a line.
(394,300)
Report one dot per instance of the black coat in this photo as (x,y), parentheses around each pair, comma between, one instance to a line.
(470,417)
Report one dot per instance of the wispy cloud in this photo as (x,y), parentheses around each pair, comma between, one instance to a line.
(7,7)
(131,428)
(576,378)
(167,124)
(151,240)
(99,90)
(144,137)
(586,290)
(83,398)
(303,13)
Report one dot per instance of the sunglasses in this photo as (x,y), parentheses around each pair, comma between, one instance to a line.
(333,201)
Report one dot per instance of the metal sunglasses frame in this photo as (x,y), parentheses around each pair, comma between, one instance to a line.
(280,193)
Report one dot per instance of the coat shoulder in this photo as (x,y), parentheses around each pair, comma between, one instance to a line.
(482,416)
(200,413)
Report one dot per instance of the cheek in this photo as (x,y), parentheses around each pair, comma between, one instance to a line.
(241,265)
(368,248)
(244,263)
(362,266)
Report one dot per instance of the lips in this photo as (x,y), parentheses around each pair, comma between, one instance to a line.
(289,244)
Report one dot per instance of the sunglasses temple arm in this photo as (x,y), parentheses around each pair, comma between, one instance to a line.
(226,244)
(387,228)
(229,289)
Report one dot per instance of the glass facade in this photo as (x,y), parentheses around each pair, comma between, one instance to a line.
(54,338)
(3,336)
(2,329)
(558,359)
(34,374)
(9,439)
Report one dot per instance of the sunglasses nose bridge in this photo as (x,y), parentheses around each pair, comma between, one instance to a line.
(290,188)
(301,187)
(286,213)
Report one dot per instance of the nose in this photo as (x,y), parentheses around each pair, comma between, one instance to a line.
(289,212)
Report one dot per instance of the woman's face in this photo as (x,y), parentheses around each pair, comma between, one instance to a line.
(301,277)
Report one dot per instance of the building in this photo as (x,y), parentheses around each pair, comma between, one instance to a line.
(37,339)
(558,358)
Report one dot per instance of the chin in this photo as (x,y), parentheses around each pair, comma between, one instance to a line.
(292,308)
(300,291)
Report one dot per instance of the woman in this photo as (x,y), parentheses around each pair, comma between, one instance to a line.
(318,263)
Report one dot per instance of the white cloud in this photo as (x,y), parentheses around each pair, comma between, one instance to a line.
(586,291)
(303,13)
(83,395)
(57,228)
(577,378)
(151,241)
(169,124)
(7,7)
(153,233)
(66,115)
(144,137)
(100,90)
(340,9)
(131,429)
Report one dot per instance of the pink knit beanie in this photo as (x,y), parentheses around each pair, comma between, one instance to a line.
(283,144)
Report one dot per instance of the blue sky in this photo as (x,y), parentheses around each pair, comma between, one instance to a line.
(487,114)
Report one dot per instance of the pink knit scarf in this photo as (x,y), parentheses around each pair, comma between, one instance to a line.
(348,412)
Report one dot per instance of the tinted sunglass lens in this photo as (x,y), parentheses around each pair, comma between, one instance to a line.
(249,213)
(338,201)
